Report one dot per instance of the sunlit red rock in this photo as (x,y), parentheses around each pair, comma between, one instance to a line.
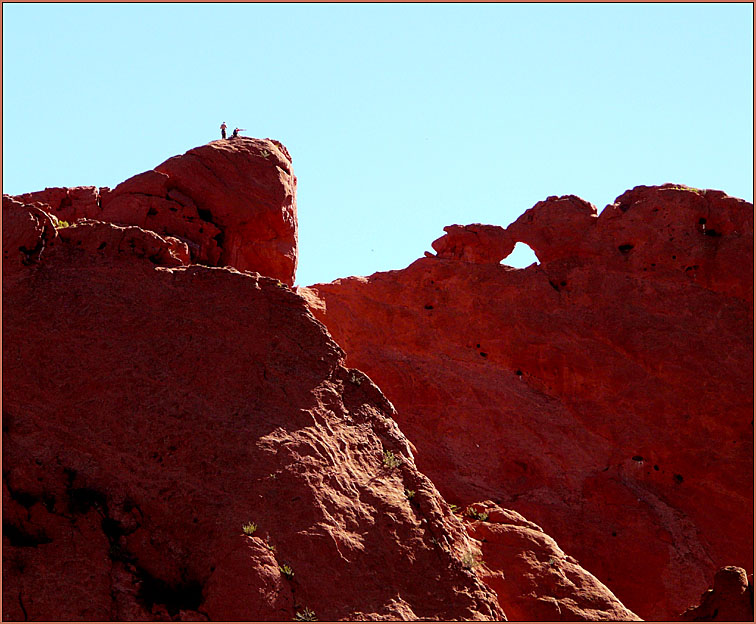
(533,578)
(606,393)
(152,409)
(232,202)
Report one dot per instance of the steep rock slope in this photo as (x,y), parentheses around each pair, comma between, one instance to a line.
(605,393)
(233,202)
(152,409)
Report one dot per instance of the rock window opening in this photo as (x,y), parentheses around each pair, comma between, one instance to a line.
(522,256)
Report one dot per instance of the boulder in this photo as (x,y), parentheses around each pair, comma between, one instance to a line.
(231,202)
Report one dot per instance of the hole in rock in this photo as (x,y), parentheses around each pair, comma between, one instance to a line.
(205,215)
(712,233)
(522,256)
(483,354)
(678,478)
(112,528)
(637,458)
(656,467)
(184,596)
(101,246)
(625,248)
(518,372)
(151,212)
(81,500)
(429,307)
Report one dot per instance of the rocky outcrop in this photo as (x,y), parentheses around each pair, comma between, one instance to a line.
(232,202)
(729,600)
(662,231)
(532,577)
(605,393)
(183,442)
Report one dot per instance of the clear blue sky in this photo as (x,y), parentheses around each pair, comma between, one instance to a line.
(401,118)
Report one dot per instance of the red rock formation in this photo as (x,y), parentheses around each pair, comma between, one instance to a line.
(729,600)
(532,577)
(151,410)
(232,202)
(605,394)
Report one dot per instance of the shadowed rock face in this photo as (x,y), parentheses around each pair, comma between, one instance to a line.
(151,410)
(605,393)
(729,600)
(232,202)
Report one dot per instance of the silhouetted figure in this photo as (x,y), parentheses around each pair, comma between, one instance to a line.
(223,130)
(236,132)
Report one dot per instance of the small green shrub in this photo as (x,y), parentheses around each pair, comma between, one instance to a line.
(683,187)
(62,224)
(410,494)
(390,460)
(305,615)
(471,559)
(355,378)
(249,528)
(476,515)
(270,547)
(286,570)
(454,508)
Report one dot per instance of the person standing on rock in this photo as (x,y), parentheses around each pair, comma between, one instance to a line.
(223,130)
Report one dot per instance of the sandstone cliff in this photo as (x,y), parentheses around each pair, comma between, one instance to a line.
(183,440)
(604,393)
(152,410)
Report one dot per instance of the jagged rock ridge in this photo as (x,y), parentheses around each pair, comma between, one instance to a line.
(238,404)
(604,393)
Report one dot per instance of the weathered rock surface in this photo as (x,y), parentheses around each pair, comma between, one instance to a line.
(532,577)
(233,202)
(152,409)
(605,394)
(729,600)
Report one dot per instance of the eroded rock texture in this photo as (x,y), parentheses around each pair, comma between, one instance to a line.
(232,202)
(605,394)
(534,579)
(152,409)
